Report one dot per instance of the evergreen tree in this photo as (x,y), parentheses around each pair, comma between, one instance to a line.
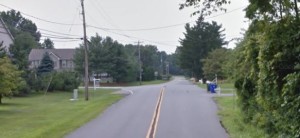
(198,42)
(46,65)
(48,44)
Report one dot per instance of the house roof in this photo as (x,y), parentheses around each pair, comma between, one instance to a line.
(65,54)
(4,27)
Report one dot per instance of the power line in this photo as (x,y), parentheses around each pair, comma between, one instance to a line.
(168,26)
(128,36)
(141,29)
(44,20)
(54,40)
(59,37)
(41,29)
(57,32)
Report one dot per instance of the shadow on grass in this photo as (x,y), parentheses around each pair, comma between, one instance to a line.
(11,104)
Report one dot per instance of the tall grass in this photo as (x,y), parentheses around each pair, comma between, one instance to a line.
(232,120)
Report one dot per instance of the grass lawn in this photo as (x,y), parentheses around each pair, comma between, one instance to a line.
(51,115)
(232,120)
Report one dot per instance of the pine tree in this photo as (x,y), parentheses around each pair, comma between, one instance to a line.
(198,42)
(46,66)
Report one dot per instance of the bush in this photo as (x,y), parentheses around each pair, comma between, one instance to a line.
(64,81)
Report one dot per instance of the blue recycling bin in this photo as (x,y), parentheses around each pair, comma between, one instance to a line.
(213,87)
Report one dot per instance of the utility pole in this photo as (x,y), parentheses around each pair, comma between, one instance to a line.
(86,65)
(167,68)
(140,63)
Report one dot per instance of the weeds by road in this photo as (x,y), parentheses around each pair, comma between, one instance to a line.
(232,120)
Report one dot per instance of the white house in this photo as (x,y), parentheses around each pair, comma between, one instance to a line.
(5,36)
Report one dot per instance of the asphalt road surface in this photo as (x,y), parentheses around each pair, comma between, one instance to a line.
(177,109)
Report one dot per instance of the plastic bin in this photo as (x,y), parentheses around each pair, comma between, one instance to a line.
(208,87)
(213,87)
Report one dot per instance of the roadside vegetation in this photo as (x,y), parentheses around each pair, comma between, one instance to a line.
(264,65)
(51,115)
(233,121)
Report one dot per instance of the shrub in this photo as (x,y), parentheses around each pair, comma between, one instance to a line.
(64,81)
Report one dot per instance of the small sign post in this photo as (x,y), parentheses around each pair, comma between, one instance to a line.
(96,83)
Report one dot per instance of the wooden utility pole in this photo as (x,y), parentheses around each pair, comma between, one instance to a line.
(86,65)
(140,63)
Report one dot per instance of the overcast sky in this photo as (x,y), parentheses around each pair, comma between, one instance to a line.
(126,21)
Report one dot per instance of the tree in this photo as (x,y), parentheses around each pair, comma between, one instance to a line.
(46,65)
(198,42)
(2,50)
(119,63)
(150,60)
(48,44)
(268,90)
(21,48)
(105,56)
(18,24)
(79,60)
(9,78)
(131,52)
(215,64)
(174,64)
(206,7)
(272,9)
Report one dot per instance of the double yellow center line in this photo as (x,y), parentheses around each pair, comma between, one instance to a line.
(153,125)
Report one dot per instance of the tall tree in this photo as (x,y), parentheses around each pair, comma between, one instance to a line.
(106,56)
(17,24)
(21,48)
(198,42)
(48,44)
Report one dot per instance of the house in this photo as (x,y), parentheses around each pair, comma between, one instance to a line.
(5,36)
(62,58)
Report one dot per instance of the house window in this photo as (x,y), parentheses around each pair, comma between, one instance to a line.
(55,64)
(64,63)
(70,64)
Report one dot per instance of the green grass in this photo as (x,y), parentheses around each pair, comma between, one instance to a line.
(232,120)
(51,115)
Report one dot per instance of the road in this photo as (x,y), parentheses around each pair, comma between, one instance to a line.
(176,109)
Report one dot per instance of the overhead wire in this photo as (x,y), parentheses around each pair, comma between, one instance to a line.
(104,14)
(169,26)
(110,30)
(44,20)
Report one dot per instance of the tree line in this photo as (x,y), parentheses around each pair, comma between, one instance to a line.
(105,56)
(122,62)
(265,64)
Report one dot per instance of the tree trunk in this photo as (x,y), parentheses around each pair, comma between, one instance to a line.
(280,8)
(296,10)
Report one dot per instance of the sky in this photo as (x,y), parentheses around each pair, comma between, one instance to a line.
(154,22)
